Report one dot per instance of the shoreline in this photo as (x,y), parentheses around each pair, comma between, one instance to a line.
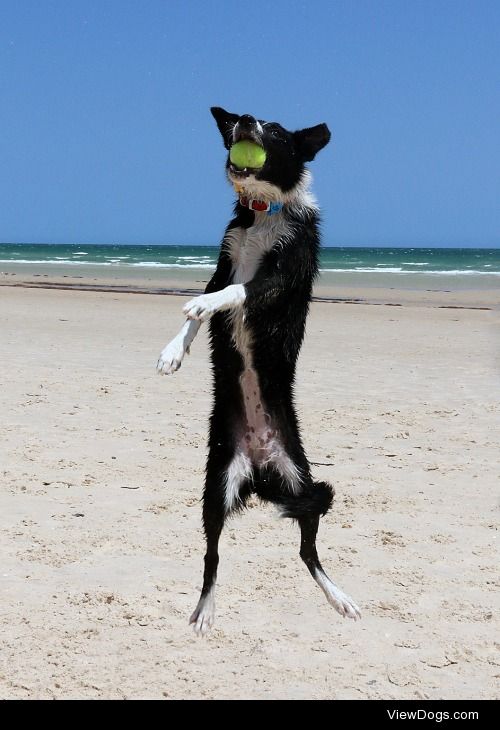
(353,297)
(481,292)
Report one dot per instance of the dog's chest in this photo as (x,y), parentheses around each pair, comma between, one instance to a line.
(248,246)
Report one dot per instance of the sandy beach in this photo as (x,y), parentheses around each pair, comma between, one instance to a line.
(102,469)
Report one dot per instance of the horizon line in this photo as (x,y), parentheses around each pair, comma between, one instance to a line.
(217,245)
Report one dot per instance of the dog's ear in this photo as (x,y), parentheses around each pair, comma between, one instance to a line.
(310,141)
(225,122)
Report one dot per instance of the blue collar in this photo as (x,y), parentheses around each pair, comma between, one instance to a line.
(260,206)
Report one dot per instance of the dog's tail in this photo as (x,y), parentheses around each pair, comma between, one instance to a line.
(316,500)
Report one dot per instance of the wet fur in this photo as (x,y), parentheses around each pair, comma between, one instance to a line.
(257,302)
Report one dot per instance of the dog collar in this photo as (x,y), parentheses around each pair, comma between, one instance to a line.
(260,206)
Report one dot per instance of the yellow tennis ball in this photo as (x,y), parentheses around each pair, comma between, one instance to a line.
(247,154)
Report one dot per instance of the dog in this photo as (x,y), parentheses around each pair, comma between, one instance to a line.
(257,302)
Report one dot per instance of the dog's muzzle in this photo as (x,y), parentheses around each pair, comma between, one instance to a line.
(247,127)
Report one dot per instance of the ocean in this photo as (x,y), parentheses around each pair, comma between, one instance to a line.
(450,261)
(399,267)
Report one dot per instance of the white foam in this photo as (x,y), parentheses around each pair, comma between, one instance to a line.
(110,262)
(36,261)
(119,261)
(157,264)
(454,272)
(192,258)
(364,270)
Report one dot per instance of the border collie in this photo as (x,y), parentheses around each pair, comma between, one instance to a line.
(257,303)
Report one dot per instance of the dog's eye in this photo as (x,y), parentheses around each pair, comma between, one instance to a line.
(275,135)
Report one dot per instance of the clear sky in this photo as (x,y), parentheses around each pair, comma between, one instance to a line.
(106,136)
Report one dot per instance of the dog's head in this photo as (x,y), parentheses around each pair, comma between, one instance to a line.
(286,153)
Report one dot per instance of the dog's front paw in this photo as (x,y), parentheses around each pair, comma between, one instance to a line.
(171,358)
(200,308)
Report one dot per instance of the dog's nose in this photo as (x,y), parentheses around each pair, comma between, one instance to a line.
(247,121)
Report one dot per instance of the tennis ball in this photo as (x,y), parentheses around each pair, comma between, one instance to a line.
(247,154)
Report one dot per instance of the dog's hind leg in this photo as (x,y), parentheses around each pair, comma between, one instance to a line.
(213,522)
(222,495)
(338,599)
(306,506)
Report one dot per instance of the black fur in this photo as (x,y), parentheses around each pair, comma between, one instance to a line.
(276,308)
(286,151)
(275,311)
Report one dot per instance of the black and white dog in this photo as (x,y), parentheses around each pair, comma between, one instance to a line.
(257,302)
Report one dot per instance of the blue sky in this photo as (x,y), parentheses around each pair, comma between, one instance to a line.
(106,136)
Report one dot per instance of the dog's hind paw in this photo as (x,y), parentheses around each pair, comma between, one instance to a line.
(170,359)
(344,605)
(203,616)
(341,602)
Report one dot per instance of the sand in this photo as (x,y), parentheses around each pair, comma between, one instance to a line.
(102,470)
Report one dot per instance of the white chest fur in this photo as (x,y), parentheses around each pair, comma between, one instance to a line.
(248,246)
(246,249)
